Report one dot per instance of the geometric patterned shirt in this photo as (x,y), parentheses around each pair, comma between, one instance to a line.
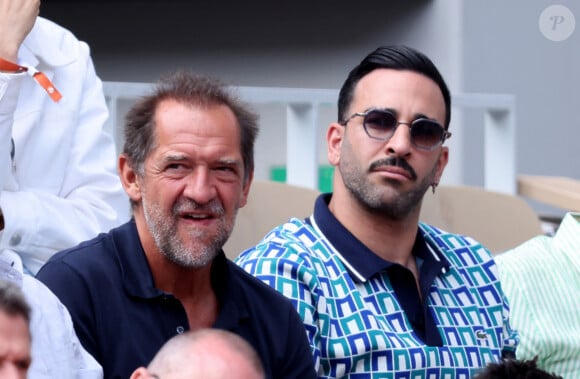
(541,278)
(360,321)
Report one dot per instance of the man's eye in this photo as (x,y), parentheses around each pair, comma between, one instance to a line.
(175,166)
(23,365)
(226,168)
(379,123)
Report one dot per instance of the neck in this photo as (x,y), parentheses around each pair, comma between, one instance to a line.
(390,239)
(180,281)
(193,289)
(191,286)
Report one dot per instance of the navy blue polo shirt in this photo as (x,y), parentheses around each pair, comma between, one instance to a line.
(123,320)
(362,264)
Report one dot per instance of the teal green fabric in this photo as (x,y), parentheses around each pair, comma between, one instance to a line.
(359,329)
(541,279)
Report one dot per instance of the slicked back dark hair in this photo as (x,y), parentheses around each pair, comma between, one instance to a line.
(191,89)
(397,57)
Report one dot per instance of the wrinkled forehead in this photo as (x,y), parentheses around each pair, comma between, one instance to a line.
(208,120)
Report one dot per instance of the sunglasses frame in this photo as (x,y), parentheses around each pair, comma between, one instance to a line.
(445,135)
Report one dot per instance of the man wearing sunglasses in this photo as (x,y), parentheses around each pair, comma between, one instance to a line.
(378,291)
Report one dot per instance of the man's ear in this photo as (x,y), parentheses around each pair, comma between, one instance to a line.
(129,178)
(140,373)
(441,163)
(334,137)
(246,189)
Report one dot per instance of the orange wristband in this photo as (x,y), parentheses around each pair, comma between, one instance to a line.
(40,78)
(8,66)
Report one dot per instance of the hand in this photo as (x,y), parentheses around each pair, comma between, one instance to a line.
(16,20)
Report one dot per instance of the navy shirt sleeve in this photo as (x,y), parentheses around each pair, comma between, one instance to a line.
(270,323)
(299,362)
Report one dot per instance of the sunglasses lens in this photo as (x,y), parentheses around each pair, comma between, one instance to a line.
(380,124)
(426,134)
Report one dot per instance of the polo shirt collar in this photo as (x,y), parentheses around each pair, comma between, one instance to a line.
(226,281)
(567,237)
(138,279)
(359,260)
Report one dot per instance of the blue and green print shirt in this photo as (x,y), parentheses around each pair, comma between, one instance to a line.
(364,316)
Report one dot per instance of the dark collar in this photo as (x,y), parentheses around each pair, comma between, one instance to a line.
(138,280)
(137,277)
(358,259)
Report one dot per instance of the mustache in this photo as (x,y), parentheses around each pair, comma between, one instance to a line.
(186,205)
(396,162)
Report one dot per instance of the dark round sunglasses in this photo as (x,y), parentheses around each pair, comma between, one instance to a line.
(380,124)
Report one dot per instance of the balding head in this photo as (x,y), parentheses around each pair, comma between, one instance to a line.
(206,353)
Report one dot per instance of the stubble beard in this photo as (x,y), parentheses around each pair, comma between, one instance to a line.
(383,199)
(165,234)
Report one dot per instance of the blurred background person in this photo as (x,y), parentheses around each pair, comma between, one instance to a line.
(204,354)
(514,369)
(541,279)
(58,182)
(14,332)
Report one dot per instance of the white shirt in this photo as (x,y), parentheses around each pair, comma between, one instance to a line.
(61,187)
(56,349)
(541,278)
